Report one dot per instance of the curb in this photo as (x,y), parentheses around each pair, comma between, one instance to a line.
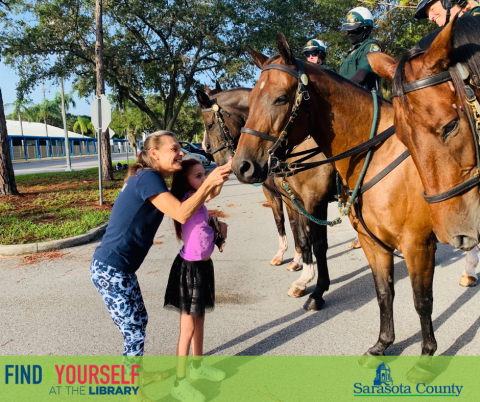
(34,248)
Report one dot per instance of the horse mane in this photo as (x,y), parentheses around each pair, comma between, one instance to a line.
(466,42)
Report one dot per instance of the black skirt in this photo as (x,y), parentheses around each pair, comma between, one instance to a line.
(191,287)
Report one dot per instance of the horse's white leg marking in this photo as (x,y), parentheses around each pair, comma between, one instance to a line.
(300,285)
(469,278)
(282,247)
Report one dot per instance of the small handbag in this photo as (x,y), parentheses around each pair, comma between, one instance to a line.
(218,238)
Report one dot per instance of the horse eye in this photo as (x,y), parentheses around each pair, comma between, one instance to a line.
(210,126)
(449,129)
(281,100)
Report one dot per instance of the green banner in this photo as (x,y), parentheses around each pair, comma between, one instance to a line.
(248,378)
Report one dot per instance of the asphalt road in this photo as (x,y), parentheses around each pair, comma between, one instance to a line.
(50,306)
(59,165)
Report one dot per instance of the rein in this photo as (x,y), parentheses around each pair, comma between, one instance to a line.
(227,141)
(474,121)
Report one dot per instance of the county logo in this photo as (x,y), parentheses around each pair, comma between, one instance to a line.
(383,385)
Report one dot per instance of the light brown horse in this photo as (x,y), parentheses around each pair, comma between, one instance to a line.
(394,210)
(433,123)
(312,194)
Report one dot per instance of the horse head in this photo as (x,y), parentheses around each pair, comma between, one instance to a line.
(270,103)
(222,127)
(432,120)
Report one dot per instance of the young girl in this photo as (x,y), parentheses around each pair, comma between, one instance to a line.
(191,285)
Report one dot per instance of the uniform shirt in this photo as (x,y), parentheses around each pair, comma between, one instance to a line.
(133,223)
(198,235)
(356,60)
(473,12)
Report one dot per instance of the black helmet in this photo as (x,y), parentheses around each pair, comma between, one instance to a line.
(446,4)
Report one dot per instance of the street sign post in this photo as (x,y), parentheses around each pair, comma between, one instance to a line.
(101,118)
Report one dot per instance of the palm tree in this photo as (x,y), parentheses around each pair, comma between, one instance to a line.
(83,124)
(20,106)
(45,110)
(68,100)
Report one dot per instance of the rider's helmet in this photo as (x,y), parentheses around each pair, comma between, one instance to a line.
(316,45)
(356,18)
(446,4)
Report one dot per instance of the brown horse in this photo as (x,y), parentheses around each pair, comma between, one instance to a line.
(314,195)
(433,122)
(394,210)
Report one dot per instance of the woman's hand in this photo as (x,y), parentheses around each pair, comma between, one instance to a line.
(219,175)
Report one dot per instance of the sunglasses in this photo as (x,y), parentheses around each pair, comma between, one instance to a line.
(313,54)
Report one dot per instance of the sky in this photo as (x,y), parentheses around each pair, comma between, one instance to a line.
(9,81)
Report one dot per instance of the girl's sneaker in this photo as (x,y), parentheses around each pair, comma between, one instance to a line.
(186,393)
(206,372)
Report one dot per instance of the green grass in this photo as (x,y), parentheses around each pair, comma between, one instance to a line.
(56,205)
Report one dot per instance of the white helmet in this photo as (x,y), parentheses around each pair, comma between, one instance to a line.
(357,17)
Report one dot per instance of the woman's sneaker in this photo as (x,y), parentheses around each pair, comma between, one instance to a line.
(185,392)
(206,372)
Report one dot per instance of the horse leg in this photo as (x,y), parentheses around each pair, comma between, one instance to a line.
(469,278)
(277,207)
(421,266)
(293,217)
(320,247)
(381,263)
(298,287)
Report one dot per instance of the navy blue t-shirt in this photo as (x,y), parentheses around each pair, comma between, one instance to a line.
(133,222)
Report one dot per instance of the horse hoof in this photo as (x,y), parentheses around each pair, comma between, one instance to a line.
(370,361)
(276,261)
(468,281)
(313,304)
(295,292)
(293,266)
(421,374)
(355,244)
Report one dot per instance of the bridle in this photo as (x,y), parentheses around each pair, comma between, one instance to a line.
(301,95)
(227,141)
(473,119)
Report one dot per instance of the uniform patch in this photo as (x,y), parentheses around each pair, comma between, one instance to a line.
(476,13)
(375,48)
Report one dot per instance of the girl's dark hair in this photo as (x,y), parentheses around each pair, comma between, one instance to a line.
(180,187)
(144,160)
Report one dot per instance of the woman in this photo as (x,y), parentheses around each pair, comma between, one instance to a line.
(136,216)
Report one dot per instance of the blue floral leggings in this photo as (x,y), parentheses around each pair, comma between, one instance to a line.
(121,293)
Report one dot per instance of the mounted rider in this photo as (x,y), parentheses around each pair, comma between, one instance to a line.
(440,11)
(358,24)
(315,51)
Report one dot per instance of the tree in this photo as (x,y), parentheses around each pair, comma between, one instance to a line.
(44,111)
(7,176)
(20,106)
(83,124)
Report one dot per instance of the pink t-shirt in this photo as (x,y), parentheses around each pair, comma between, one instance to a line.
(197,235)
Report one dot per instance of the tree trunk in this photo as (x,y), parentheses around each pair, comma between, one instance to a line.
(21,123)
(107,171)
(7,177)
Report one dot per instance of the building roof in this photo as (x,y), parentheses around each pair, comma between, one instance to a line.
(38,130)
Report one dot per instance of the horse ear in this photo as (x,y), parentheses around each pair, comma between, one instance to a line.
(438,56)
(258,58)
(382,64)
(208,90)
(218,88)
(284,49)
(203,99)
